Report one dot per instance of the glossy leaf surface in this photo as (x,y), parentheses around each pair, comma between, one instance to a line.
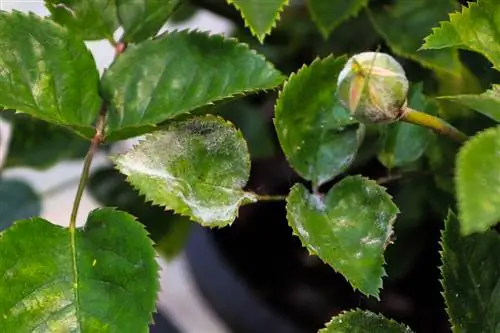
(478,183)
(317,135)
(17,201)
(260,15)
(196,167)
(471,278)
(475,28)
(359,321)
(47,72)
(142,19)
(177,73)
(94,279)
(487,103)
(349,228)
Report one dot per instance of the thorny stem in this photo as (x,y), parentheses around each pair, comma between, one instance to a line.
(94,146)
(434,123)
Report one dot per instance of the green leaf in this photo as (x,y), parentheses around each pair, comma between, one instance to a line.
(91,19)
(404,143)
(177,73)
(196,167)
(250,120)
(349,228)
(471,278)
(47,72)
(169,232)
(40,145)
(17,201)
(260,15)
(142,19)
(359,321)
(475,28)
(100,278)
(487,103)
(318,136)
(404,25)
(329,14)
(477,182)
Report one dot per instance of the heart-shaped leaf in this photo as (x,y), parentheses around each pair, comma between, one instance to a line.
(17,201)
(471,278)
(475,28)
(260,15)
(100,278)
(405,23)
(349,228)
(142,19)
(329,14)
(47,72)
(197,167)
(362,322)
(478,183)
(318,136)
(177,73)
(91,19)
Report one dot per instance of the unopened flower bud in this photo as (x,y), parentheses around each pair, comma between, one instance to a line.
(373,87)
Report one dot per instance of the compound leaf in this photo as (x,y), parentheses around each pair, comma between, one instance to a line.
(47,72)
(317,135)
(476,28)
(478,183)
(91,19)
(17,201)
(196,167)
(471,278)
(329,14)
(349,228)
(404,25)
(260,15)
(176,73)
(142,19)
(359,321)
(100,278)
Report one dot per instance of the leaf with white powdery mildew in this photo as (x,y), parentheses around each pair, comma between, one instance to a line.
(328,14)
(197,167)
(349,228)
(260,15)
(471,278)
(487,103)
(476,28)
(47,72)
(318,136)
(359,321)
(478,182)
(99,278)
(177,73)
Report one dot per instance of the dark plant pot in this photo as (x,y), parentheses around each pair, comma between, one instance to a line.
(233,301)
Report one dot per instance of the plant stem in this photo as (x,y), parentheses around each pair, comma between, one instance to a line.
(98,138)
(94,145)
(436,124)
(265,197)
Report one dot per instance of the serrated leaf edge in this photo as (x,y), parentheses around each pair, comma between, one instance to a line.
(366,312)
